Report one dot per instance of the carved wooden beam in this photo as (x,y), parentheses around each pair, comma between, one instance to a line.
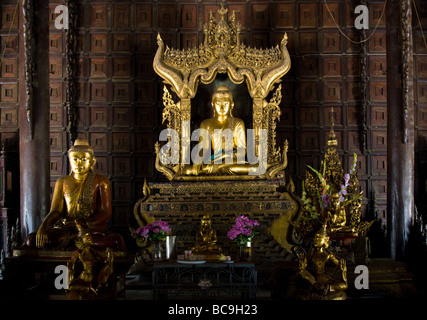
(407,63)
(28,12)
(400,127)
(70,67)
(364,88)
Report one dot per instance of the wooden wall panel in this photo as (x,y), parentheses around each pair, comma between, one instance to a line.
(9,77)
(119,96)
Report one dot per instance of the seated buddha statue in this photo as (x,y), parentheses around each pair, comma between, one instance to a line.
(206,240)
(80,208)
(336,217)
(313,268)
(225,136)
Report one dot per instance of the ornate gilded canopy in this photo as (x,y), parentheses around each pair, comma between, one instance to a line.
(223,53)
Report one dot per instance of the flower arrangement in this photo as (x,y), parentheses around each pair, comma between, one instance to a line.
(158,230)
(242,231)
(325,190)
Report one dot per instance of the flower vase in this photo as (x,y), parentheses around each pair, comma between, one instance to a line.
(157,252)
(245,253)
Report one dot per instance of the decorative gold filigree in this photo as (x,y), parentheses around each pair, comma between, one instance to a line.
(271,114)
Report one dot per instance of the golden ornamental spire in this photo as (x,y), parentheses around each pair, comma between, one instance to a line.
(332,141)
(222,11)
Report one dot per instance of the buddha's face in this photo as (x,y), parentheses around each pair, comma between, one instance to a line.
(205,223)
(81,162)
(222,104)
(335,201)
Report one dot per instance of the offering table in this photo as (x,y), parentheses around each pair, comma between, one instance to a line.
(204,280)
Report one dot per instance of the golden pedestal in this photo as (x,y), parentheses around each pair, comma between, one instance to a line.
(183,204)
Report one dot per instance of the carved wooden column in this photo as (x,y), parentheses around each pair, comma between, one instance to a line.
(34,152)
(400,126)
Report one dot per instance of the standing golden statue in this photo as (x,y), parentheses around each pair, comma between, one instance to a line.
(206,240)
(81,206)
(313,268)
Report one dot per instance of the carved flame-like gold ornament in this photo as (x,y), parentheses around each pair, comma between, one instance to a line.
(223,53)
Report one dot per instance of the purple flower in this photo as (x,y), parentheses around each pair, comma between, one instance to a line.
(343,192)
(142,231)
(246,232)
(154,231)
(326,198)
(346,178)
(242,231)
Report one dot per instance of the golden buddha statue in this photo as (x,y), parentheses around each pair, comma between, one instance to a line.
(336,216)
(80,208)
(323,285)
(225,136)
(206,240)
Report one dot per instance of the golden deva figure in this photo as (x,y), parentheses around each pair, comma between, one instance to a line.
(80,208)
(206,240)
(87,285)
(222,104)
(323,285)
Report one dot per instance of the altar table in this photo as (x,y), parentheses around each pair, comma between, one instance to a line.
(209,280)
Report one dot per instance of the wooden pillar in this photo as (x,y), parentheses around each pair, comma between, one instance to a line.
(34,151)
(400,126)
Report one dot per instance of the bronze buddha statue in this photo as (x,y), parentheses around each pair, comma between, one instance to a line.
(80,208)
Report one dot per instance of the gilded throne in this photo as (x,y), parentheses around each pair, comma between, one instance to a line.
(222,62)
(218,151)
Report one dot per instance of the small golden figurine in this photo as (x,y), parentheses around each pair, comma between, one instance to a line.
(313,268)
(206,240)
(97,268)
(336,216)
(85,198)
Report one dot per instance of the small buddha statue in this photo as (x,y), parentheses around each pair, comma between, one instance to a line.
(313,268)
(336,216)
(80,208)
(206,240)
(228,159)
